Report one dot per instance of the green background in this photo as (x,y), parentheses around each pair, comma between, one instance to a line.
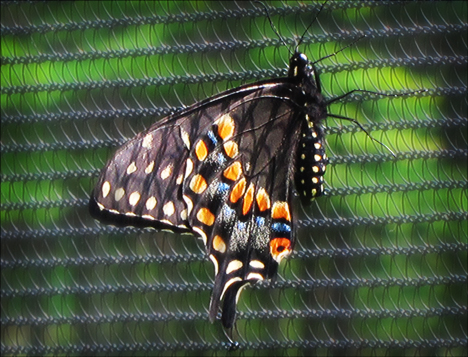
(380,264)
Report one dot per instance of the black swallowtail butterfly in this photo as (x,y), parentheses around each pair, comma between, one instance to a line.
(223,169)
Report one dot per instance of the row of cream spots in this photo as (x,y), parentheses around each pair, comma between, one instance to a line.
(164,174)
(134,198)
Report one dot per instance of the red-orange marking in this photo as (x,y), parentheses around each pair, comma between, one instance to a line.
(234,171)
(225,127)
(263,200)
(279,247)
(248,199)
(281,210)
(205,216)
(238,190)
(201,150)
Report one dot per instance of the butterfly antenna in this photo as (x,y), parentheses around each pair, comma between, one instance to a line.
(308,27)
(273,25)
(364,130)
(340,50)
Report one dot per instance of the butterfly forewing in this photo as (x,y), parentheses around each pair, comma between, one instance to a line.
(141,184)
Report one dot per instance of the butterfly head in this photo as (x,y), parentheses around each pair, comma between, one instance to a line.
(299,66)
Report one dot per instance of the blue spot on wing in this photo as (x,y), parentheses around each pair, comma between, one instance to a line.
(260,221)
(212,137)
(241,226)
(223,188)
(221,159)
(227,212)
(281,228)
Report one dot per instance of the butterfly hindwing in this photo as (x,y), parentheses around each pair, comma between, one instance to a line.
(239,190)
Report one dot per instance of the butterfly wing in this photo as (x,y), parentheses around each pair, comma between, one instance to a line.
(223,170)
(239,190)
(142,184)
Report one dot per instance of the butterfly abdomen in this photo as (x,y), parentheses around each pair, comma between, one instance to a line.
(311,163)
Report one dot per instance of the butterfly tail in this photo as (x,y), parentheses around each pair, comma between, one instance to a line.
(230,296)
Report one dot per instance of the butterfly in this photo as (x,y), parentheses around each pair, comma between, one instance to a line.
(225,170)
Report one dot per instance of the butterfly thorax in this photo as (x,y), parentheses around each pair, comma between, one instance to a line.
(305,73)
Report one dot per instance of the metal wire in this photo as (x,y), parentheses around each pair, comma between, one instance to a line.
(380,266)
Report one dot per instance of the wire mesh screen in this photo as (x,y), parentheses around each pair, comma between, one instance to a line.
(380,263)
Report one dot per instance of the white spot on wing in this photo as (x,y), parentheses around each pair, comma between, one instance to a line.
(165,221)
(131,168)
(189,204)
(233,266)
(228,284)
(201,233)
(149,168)
(166,172)
(254,276)
(119,193)
(185,138)
(257,264)
(188,167)
(179,180)
(151,203)
(215,263)
(134,198)
(149,217)
(147,141)
(106,189)
(169,208)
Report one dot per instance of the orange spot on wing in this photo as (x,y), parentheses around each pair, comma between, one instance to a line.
(233,171)
(218,244)
(263,200)
(281,210)
(198,184)
(226,127)
(201,150)
(248,199)
(231,149)
(238,190)
(205,216)
(279,248)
